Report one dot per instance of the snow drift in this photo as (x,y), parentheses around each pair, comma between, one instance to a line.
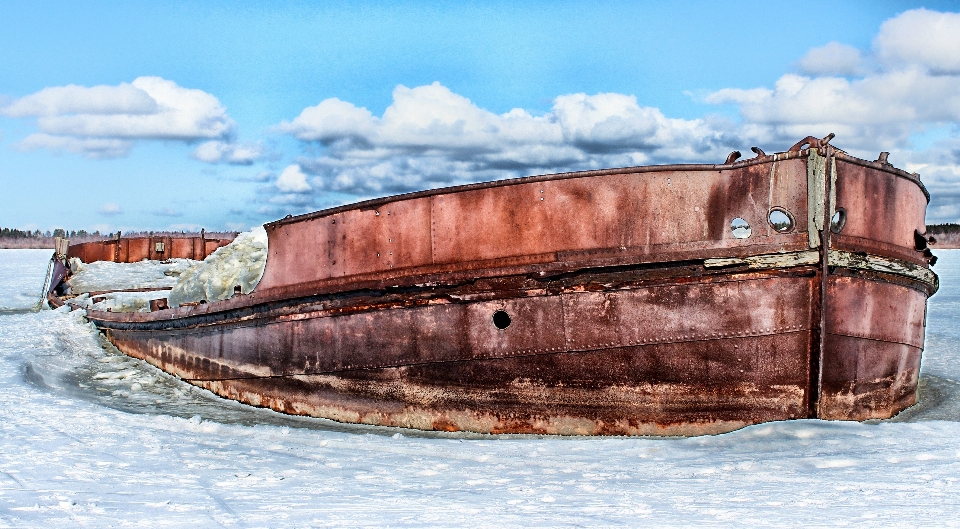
(239,263)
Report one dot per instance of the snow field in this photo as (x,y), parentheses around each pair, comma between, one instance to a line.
(92,438)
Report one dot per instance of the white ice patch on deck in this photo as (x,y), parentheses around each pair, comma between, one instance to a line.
(120,301)
(106,275)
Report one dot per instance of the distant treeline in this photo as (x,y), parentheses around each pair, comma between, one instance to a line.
(14,238)
(940,229)
(13,233)
(947,235)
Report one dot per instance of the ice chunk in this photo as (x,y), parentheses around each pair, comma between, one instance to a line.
(239,263)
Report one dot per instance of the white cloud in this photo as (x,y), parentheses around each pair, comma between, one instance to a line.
(89,147)
(916,86)
(832,59)
(72,99)
(233,153)
(150,108)
(109,209)
(331,120)
(430,136)
(921,37)
(292,180)
(881,109)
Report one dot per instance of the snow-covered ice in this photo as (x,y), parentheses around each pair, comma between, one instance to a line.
(19,270)
(92,438)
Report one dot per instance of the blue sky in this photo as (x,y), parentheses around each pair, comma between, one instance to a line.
(229,114)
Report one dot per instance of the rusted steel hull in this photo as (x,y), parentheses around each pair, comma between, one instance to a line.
(874,338)
(655,357)
(158,248)
(611,302)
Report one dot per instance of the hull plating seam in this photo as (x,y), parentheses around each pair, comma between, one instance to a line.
(864,336)
(521,354)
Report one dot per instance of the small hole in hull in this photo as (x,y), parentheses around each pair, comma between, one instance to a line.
(740,228)
(501,319)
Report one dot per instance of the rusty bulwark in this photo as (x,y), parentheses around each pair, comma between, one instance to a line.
(603,302)
(157,248)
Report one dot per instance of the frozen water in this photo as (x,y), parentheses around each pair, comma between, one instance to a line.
(22,273)
(92,438)
(239,263)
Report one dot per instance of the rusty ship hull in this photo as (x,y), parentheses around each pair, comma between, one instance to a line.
(626,301)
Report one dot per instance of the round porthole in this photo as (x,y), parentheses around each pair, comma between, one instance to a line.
(501,319)
(838,221)
(741,228)
(781,220)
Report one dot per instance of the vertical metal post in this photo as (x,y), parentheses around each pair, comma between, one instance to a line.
(824,265)
(116,251)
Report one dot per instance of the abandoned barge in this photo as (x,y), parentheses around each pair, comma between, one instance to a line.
(661,300)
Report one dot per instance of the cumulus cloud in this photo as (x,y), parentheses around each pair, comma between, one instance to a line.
(881,109)
(226,152)
(832,59)
(430,136)
(916,85)
(920,37)
(109,209)
(293,180)
(79,119)
(330,121)
(73,99)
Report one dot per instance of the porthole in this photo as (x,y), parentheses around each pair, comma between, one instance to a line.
(781,220)
(741,228)
(838,221)
(501,319)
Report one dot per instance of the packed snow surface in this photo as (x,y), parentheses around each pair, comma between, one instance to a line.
(239,263)
(105,275)
(92,438)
